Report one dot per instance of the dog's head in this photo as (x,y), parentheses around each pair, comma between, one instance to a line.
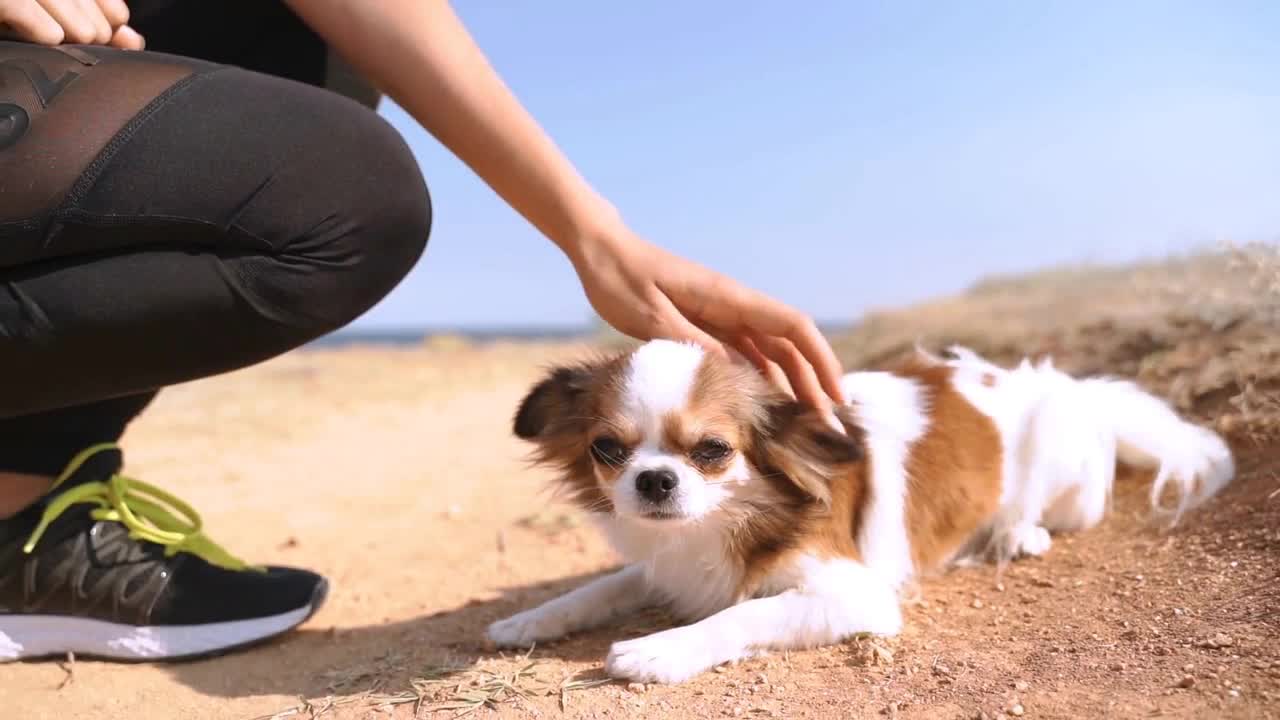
(669,434)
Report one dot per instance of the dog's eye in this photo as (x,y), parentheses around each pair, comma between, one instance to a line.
(709,451)
(609,451)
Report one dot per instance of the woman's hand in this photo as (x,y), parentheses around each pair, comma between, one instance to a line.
(647,292)
(54,22)
(419,53)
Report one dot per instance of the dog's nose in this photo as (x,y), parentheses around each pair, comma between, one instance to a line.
(656,485)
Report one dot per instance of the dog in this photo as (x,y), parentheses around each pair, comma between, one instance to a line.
(768,526)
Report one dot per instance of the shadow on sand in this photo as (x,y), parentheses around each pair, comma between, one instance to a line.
(317,662)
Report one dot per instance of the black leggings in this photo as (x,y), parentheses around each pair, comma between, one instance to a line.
(164,219)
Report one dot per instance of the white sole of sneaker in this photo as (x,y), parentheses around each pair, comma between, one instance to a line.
(34,636)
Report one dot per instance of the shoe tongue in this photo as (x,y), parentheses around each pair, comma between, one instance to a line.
(98,467)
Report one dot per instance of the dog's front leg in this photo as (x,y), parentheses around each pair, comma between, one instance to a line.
(793,620)
(592,604)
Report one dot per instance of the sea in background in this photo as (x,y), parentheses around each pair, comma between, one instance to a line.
(405,337)
(400,337)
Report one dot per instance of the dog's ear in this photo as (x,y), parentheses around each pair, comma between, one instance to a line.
(796,444)
(555,400)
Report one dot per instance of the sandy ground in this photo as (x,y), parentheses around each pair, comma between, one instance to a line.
(393,472)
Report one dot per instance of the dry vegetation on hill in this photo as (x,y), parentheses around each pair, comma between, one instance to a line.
(1203,331)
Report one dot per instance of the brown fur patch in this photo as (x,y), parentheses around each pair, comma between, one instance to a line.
(818,479)
(727,393)
(568,410)
(954,470)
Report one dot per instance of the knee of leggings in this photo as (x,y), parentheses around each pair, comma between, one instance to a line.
(373,227)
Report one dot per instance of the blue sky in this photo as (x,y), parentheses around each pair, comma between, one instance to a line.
(849,155)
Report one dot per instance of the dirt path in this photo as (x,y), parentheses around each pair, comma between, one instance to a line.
(413,498)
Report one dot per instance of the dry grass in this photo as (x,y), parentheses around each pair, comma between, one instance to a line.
(459,688)
(1260,263)
(1258,401)
(549,523)
(1201,330)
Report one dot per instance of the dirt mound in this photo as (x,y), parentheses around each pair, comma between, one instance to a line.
(1202,331)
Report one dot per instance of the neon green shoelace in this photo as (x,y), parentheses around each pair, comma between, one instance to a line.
(140,508)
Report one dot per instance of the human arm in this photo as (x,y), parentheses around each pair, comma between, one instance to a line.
(419,53)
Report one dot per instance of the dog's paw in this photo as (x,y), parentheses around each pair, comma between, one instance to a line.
(1030,540)
(671,656)
(524,629)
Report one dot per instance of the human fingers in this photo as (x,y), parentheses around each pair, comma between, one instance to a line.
(769,317)
(723,303)
(28,20)
(77,27)
(126,38)
(747,348)
(115,11)
(673,325)
(800,374)
(102,28)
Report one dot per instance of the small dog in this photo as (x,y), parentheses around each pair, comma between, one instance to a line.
(766,527)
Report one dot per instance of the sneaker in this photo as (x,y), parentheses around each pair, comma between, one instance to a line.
(101,568)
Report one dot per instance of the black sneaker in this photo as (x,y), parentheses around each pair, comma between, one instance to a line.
(100,568)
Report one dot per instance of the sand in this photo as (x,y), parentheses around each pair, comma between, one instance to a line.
(393,472)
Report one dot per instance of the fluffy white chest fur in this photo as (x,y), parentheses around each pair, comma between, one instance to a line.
(764,528)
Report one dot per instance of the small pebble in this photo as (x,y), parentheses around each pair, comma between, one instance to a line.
(977,603)
(636,687)
(1016,710)
(1021,686)
(1219,640)
(762,679)
(1186,681)
(1227,423)
(1117,667)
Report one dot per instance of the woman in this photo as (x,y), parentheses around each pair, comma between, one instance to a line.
(211,202)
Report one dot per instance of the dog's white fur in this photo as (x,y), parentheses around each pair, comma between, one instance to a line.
(1060,436)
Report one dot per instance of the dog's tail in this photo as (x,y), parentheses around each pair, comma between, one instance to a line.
(1072,432)
(1190,460)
